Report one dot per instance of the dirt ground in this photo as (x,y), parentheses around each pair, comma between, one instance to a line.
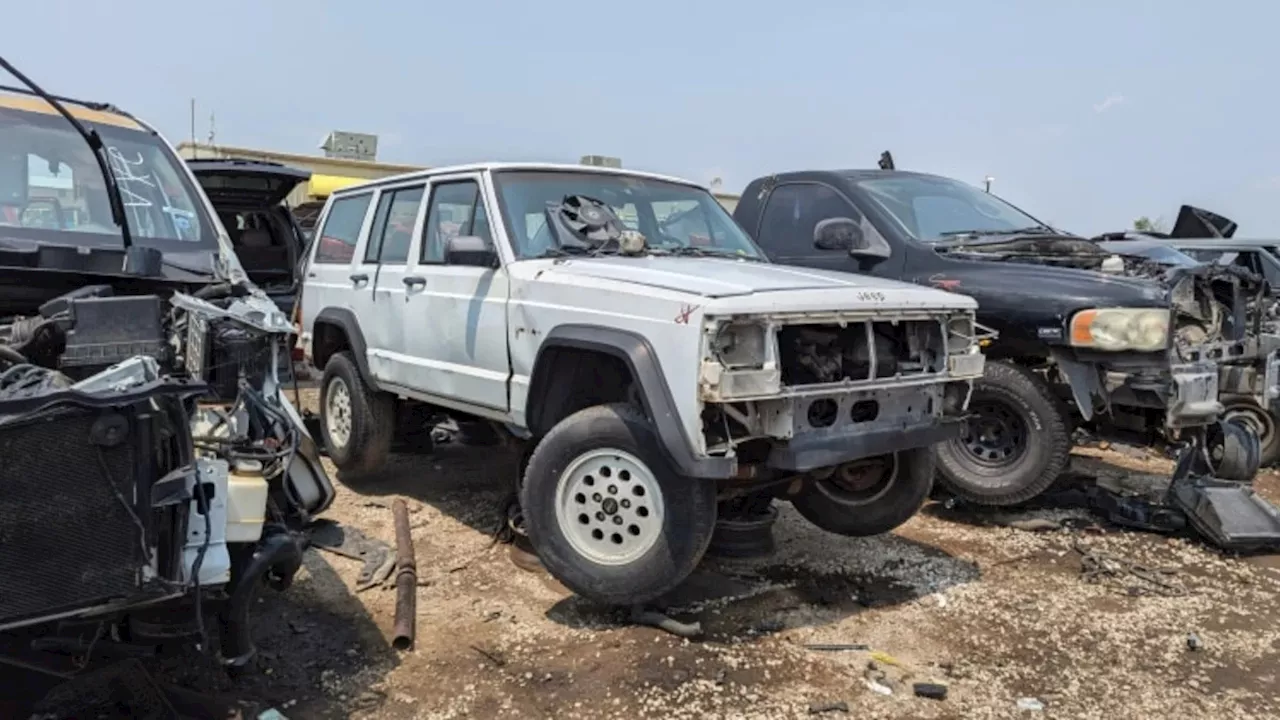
(1003,617)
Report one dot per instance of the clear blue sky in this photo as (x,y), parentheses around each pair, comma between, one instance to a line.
(1087,113)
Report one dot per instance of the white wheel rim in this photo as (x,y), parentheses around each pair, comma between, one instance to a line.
(609,506)
(337,416)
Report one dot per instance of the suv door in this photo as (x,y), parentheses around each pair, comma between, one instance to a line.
(792,212)
(396,220)
(454,321)
(330,281)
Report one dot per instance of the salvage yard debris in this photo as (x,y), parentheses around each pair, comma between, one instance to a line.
(1102,568)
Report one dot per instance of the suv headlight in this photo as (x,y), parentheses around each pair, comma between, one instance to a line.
(1121,328)
(740,345)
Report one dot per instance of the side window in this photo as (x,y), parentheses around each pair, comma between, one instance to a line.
(374,246)
(341,231)
(393,225)
(456,209)
(793,211)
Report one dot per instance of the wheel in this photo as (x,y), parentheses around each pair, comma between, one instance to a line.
(357,422)
(1262,423)
(607,513)
(1234,451)
(869,496)
(1015,445)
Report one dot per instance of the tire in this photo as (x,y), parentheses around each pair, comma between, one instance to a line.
(1015,447)
(861,499)
(1263,425)
(1234,451)
(665,521)
(358,438)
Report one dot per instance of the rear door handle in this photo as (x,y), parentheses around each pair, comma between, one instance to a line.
(360,278)
(412,281)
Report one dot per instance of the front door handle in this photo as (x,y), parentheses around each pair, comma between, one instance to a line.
(412,281)
(359,278)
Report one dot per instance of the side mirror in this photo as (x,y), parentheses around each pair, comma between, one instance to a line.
(469,250)
(842,233)
(838,233)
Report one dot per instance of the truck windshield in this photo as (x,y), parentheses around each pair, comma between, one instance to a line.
(51,188)
(935,208)
(671,216)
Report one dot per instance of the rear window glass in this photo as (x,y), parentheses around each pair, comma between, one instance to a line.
(341,231)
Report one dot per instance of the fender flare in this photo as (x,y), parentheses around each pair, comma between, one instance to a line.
(345,320)
(639,357)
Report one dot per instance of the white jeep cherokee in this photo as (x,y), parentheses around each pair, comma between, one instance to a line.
(650,358)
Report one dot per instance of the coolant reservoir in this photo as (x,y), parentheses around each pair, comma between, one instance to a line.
(1113,265)
(246,501)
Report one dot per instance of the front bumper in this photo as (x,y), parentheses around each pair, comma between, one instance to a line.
(810,452)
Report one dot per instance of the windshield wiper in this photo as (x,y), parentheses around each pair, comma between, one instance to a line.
(95,144)
(561,251)
(692,251)
(1013,231)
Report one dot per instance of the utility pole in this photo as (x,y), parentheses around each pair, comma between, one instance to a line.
(195,151)
(987,181)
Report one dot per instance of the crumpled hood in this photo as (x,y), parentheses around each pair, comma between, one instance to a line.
(726,277)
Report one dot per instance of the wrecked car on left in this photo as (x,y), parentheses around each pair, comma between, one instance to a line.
(153,475)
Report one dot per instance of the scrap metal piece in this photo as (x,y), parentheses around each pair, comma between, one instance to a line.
(353,544)
(406,579)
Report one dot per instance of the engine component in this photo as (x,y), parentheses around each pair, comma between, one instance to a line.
(590,219)
(106,330)
(66,483)
(247,491)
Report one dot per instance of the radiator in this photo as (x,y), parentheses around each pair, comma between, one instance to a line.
(67,541)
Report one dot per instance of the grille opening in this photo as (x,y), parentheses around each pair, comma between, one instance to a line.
(822,413)
(864,411)
(817,354)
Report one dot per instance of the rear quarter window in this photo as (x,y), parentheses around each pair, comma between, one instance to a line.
(336,241)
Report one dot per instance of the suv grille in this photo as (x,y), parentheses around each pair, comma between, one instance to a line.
(819,354)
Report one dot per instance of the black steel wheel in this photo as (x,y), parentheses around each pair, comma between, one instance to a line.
(1015,445)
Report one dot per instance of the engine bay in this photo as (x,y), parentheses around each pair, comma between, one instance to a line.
(148,453)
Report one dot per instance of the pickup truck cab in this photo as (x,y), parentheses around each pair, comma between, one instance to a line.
(636,342)
(1086,334)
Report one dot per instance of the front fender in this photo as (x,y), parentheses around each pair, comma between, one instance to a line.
(655,394)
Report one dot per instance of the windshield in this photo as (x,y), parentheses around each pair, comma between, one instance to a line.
(672,217)
(934,208)
(51,188)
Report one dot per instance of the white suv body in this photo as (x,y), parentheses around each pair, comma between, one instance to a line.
(423,283)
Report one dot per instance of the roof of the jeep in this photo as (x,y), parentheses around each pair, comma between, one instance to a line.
(89,112)
(509,166)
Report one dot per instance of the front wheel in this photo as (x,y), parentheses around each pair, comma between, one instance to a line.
(607,513)
(1015,445)
(869,496)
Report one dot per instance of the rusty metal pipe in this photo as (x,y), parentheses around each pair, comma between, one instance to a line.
(406,579)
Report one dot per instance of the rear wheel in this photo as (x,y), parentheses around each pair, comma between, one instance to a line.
(1015,445)
(606,512)
(357,422)
(869,496)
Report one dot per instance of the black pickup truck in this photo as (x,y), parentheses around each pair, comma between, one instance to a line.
(1087,334)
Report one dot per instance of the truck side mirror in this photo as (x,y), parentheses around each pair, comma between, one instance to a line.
(842,233)
(839,233)
(469,250)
